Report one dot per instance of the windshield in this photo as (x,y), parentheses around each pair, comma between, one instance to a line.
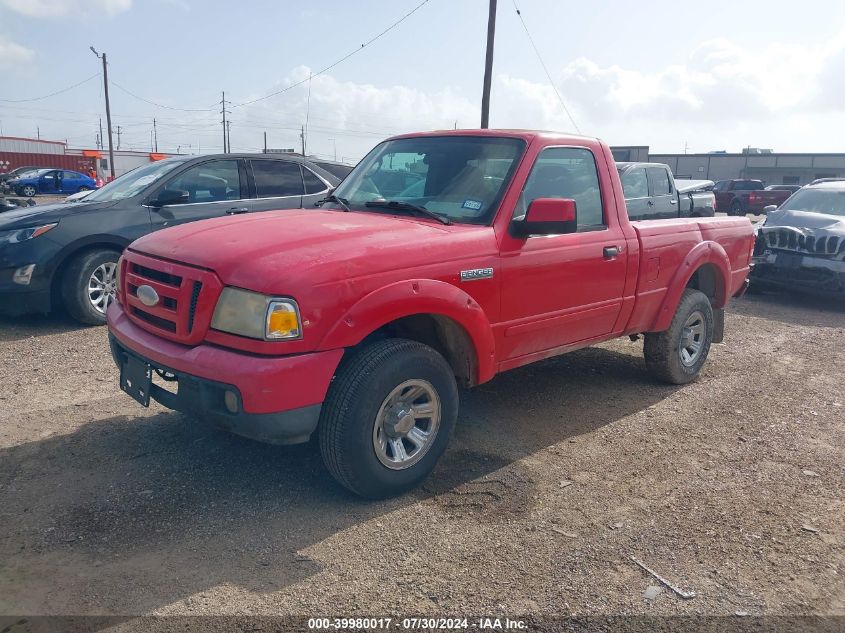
(827,201)
(133,182)
(461,178)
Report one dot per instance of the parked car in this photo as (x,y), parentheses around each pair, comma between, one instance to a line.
(789,188)
(359,320)
(652,192)
(739,197)
(14,173)
(801,244)
(51,181)
(74,265)
(339,170)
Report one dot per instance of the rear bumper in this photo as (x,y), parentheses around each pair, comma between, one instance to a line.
(278,398)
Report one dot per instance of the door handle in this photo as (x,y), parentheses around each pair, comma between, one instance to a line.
(650,203)
(236,210)
(611,251)
(673,202)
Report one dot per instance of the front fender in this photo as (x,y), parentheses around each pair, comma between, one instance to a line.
(702,254)
(417,296)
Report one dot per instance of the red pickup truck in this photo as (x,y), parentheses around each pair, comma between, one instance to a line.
(738,197)
(359,320)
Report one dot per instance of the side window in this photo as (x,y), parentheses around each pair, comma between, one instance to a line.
(312,183)
(210,182)
(720,186)
(276,178)
(566,172)
(71,175)
(635,184)
(659,180)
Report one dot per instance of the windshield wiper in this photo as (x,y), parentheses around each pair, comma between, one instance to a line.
(343,202)
(407,206)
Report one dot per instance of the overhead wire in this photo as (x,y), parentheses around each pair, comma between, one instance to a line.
(52,94)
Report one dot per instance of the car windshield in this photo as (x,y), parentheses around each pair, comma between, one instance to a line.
(460,178)
(827,201)
(133,182)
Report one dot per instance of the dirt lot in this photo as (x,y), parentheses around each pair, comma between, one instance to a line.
(732,487)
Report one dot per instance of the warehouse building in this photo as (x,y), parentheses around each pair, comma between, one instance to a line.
(30,152)
(773,168)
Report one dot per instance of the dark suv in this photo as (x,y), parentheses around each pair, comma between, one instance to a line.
(67,253)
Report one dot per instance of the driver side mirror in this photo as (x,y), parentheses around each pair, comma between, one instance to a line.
(547,216)
(170,196)
(769,208)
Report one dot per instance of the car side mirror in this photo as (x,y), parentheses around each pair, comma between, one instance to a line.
(547,216)
(171,196)
(769,208)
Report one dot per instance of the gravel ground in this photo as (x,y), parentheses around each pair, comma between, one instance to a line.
(731,487)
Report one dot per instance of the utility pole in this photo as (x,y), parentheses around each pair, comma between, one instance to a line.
(224,111)
(155,136)
(229,136)
(302,138)
(101,134)
(334,141)
(108,108)
(38,131)
(265,141)
(118,136)
(488,66)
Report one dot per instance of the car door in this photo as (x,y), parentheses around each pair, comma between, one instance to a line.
(635,186)
(49,182)
(212,188)
(662,193)
(560,289)
(277,184)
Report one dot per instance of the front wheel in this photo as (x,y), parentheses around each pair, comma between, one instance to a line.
(678,354)
(736,208)
(88,286)
(388,417)
(28,191)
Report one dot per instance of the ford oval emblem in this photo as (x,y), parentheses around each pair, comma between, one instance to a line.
(147,295)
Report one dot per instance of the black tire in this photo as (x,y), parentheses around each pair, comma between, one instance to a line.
(84,188)
(736,208)
(348,418)
(663,353)
(75,284)
(27,190)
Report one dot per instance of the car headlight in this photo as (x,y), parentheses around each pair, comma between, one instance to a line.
(22,235)
(255,315)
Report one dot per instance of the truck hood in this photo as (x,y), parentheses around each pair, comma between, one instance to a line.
(310,247)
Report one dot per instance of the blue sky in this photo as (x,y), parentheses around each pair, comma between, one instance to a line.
(766,74)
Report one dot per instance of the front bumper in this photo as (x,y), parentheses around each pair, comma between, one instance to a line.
(805,272)
(279,398)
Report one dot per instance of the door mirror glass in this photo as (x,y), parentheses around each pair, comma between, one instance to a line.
(548,216)
(171,196)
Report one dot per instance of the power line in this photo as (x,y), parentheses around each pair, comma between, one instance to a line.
(546,70)
(159,105)
(339,61)
(52,94)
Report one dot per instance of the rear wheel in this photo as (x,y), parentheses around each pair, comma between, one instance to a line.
(84,188)
(388,417)
(678,354)
(88,286)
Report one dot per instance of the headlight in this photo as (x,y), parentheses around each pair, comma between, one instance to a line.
(22,235)
(255,315)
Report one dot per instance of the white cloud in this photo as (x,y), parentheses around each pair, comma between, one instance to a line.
(12,53)
(61,8)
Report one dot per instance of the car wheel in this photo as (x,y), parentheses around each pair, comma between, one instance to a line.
(678,354)
(89,284)
(736,208)
(28,191)
(388,417)
(84,188)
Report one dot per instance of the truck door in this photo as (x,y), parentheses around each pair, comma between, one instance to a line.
(560,289)
(214,188)
(635,185)
(663,196)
